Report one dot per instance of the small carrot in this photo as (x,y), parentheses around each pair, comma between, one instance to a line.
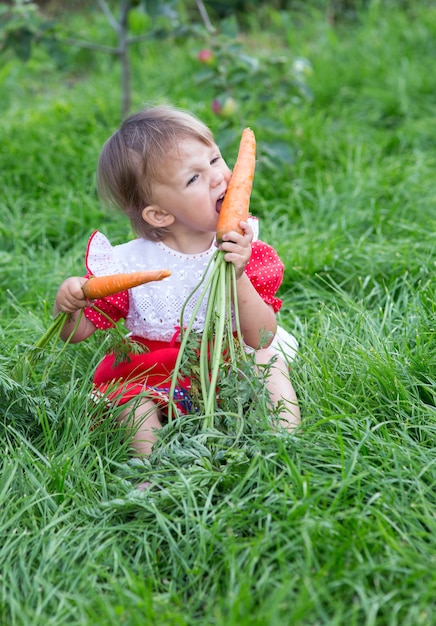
(237,199)
(98,287)
(103,286)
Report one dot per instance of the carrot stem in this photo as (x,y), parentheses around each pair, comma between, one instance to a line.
(52,332)
(55,328)
(216,342)
(206,344)
(185,333)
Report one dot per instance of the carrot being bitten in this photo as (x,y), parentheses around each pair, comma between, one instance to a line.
(237,199)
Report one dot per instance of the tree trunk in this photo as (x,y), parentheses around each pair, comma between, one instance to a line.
(123,52)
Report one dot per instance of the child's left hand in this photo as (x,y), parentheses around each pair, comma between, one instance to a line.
(238,247)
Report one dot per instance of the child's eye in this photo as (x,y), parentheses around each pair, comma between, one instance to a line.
(215,159)
(192,180)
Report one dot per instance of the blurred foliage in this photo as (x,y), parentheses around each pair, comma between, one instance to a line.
(227,75)
(21,25)
(230,70)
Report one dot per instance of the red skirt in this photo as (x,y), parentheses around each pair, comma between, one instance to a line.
(149,372)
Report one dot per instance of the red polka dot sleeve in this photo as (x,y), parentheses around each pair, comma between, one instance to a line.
(265,271)
(100,260)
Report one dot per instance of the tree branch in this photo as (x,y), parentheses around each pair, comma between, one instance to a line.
(123,46)
(109,15)
(205,16)
(89,45)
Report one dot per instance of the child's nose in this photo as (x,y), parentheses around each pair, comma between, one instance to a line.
(217,178)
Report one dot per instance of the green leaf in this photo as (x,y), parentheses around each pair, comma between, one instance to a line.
(229,26)
(279,151)
(21,43)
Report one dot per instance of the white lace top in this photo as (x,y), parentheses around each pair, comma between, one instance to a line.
(154,308)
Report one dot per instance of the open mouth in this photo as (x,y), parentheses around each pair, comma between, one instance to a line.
(219,203)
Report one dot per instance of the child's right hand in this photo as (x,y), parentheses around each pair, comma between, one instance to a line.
(70,297)
(237,247)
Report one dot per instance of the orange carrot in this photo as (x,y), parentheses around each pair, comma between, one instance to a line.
(237,199)
(102,286)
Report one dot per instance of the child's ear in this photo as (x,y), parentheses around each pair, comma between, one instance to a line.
(157,217)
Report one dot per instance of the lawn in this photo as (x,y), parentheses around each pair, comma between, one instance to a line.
(333,525)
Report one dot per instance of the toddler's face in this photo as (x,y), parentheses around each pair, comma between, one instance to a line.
(192,184)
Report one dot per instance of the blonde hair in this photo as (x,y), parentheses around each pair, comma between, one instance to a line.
(131,159)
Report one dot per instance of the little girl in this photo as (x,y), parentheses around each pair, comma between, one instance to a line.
(163,169)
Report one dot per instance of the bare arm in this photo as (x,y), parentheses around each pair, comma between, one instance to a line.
(71,299)
(257,318)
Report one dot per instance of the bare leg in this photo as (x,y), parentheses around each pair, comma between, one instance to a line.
(143,421)
(280,388)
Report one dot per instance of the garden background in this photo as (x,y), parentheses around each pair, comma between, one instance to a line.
(334,525)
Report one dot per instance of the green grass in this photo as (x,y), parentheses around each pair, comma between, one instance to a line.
(332,526)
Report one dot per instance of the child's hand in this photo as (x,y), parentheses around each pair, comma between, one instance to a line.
(70,297)
(238,247)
